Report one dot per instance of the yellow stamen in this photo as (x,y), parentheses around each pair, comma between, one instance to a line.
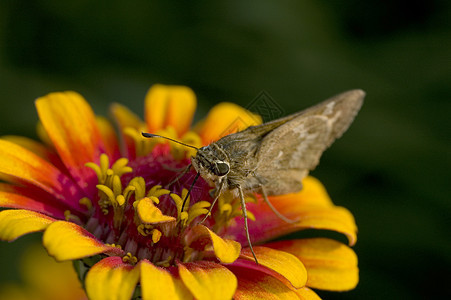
(114,245)
(144,229)
(156,235)
(157,191)
(70,217)
(164,263)
(86,202)
(198,209)
(229,207)
(67,215)
(138,185)
(129,258)
(120,167)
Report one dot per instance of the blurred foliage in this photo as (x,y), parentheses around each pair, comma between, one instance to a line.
(392,169)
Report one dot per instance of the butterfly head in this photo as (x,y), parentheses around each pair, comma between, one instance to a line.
(211,163)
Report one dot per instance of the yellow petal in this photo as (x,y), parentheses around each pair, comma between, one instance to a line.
(157,283)
(17,222)
(283,263)
(71,126)
(67,241)
(169,106)
(208,280)
(227,251)
(150,214)
(307,294)
(223,119)
(48,279)
(330,265)
(336,219)
(314,193)
(111,279)
(253,284)
(126,119)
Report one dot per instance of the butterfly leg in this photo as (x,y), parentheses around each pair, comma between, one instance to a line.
(185,171)
(243,208)
(218,193)
(274,210)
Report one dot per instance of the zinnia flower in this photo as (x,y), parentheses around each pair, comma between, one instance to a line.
(113,204)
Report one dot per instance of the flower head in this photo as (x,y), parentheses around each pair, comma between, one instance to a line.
(114,204)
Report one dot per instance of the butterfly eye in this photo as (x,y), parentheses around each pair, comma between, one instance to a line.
(222,168)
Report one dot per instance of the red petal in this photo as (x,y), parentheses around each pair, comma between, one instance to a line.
(16,197)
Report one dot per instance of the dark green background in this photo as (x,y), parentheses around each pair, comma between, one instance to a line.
(391,169)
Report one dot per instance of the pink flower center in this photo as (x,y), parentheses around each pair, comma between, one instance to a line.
(138,207)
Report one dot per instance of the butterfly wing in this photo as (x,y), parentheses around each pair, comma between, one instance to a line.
(288,152)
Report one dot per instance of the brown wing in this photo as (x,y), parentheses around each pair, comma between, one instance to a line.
(292,149)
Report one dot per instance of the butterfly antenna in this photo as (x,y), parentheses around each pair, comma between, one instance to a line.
(151,135)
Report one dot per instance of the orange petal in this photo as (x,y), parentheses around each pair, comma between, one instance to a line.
(111,279)
(283,263)
(208,280)
(66,241)
(169,106)
(126,119)
(35,147)
(17,222)
(312,207)
(109,137)
(330,265)
(16,197)
(227,251)
(223,119)
(253,284)
(24,165)
(154,278)
(71,126)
